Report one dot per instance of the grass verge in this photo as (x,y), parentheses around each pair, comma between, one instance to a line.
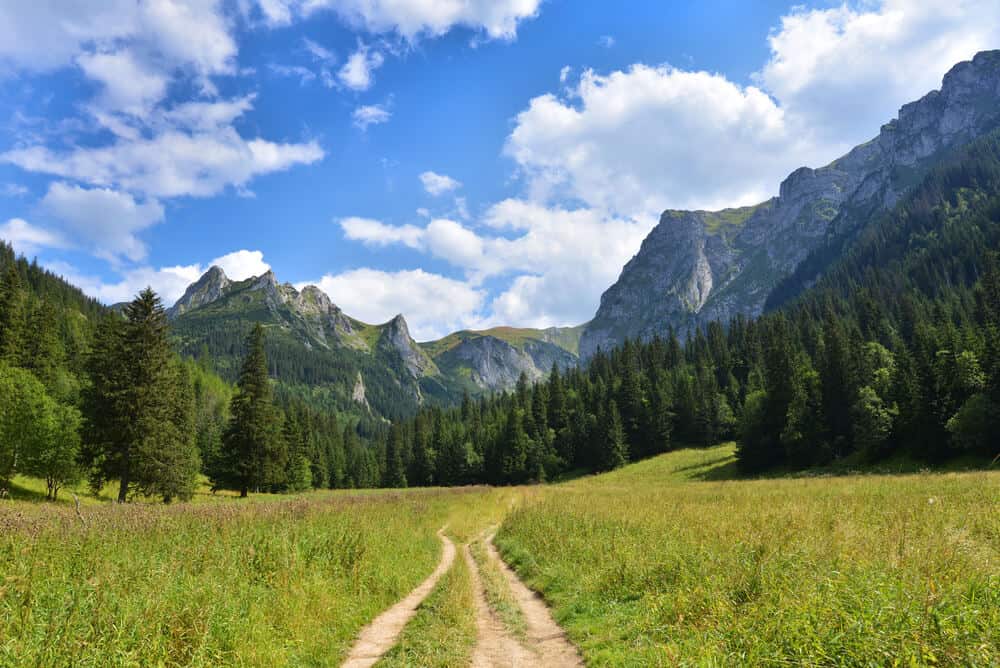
(443,632)
(658,564)
(275,583)
(498,593)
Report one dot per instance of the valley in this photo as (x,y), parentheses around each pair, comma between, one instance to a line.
(627,386)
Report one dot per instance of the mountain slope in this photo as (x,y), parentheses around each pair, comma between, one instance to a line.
(698,266)
(321,354)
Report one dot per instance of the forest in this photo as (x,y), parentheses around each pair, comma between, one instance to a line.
(893,351)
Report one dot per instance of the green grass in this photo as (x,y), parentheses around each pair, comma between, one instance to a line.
(443,632)
(275,583)
(670,562)
(498,593)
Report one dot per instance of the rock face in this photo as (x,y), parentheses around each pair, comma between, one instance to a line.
(699,266)
(396,338)
(211,286)
(495,364)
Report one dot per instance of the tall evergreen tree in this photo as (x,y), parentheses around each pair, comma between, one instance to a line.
(253,452)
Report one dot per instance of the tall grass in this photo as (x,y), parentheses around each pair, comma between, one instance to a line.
(654,565)
(279,583)
(443,632)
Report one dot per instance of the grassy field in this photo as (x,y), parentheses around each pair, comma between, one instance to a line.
(664,562)
(660,564)
(265,583)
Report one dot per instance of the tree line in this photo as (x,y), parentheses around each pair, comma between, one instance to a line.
(895,350)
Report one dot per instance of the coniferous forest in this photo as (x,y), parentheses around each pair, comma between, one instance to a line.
(892,350)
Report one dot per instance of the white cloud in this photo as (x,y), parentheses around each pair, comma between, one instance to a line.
(357,72)
(13,190)
(28,239)
(300,72)
(438,184)
(564,73)
(375,233)
(638,141)
(105,221)
(607,41)
(168,282)
(129,85)
(181,33)
(560,260)
(370,114)
(844,71)
(432,304)
(412,19)
(319,52)
(242,264)
(170,164)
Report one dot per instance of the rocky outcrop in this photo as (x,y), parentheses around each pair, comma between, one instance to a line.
(494,364)
(396,338)
(210,287)
(699,266)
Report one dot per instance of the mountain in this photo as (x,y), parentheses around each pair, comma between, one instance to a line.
(319,353)
(700,266)
(495,358)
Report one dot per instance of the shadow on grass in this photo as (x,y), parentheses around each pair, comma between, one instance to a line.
(726,467)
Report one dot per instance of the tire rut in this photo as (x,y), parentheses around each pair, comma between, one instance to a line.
(495,646)
(552,647)
(383,632)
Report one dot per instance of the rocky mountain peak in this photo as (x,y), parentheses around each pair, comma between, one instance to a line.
(396,336)
(699,266)
(211,286)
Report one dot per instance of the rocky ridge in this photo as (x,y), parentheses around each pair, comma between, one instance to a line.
(699,266)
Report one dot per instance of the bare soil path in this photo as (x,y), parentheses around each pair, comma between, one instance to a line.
(379,637)
(552,648)
(495,646)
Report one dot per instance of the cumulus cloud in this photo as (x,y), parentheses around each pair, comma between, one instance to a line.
(358,72)
(412,19)
(637,141)
(103,220)
(376,233)
(128,84)
(846,70)
(432,304)
(567,257)
(181,33)
(438,184)
(370,114)
(27,239)
(170,164)
(242,264)
(168,282)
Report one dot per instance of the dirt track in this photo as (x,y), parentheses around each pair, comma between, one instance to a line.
(378,637)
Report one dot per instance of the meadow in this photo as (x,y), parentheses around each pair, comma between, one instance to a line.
(659,563)
(260,583)
(664,562)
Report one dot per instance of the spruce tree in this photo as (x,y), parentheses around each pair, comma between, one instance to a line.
(395,471)
(12,316)
(253,455)
(615,450)
(138,426)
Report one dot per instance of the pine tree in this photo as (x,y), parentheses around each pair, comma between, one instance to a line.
(615,448)
(395,471)
(139,430)
(253,451)
(12,317)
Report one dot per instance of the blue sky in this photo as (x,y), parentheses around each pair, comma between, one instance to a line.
(465,162)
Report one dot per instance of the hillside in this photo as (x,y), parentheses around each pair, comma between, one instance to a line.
(697,266)
(324,356)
